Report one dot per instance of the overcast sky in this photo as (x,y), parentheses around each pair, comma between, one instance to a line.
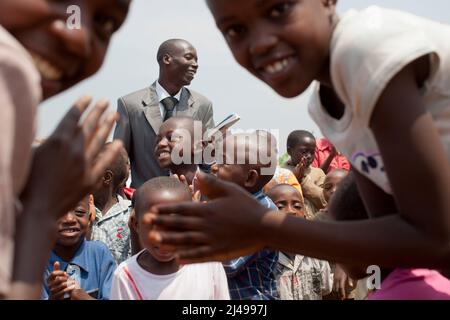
(131,65)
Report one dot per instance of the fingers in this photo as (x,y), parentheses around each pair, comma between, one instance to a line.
(174,222)
(69,122)
(90,124)
(58,293)
(342,288)
(105,160)
(212,187)
(177,239)
(197,196)
(98,141)
(56,266)
(194,209)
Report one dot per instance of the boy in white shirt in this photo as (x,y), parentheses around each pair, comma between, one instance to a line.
(153,273)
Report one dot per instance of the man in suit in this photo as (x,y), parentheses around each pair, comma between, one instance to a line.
(142,112)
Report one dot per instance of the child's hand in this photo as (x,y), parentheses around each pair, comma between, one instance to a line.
(69,164)
(181,178)
(212,231)
(58,283)
(299,170)
(341,282)
(80,294)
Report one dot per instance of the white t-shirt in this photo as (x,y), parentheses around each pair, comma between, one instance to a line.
(201,281)
(368,49)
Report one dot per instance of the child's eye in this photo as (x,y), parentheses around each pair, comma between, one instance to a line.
(106,26)
(298,206)
(80,213)
(280,206)
(280,9)
(234,31)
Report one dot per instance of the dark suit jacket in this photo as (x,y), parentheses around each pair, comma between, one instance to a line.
(140,119)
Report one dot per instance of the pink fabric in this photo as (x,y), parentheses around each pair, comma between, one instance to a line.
(323,150)
(413,284)
(20,93)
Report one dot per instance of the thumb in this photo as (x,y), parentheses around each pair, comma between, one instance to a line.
(213,188)
(56,266)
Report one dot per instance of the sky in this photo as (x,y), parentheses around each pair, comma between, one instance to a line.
(131,65)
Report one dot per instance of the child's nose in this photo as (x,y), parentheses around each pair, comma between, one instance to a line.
(261,42)
(77,40)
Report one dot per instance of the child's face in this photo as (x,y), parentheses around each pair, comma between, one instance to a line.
(161,198)
(63,56)
(174,135)
(73,226)
(283,43)
(288,200)
(331,183)
(303,152)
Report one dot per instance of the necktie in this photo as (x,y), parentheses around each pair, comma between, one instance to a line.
(169,105)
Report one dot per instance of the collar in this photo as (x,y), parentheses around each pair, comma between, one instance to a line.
(162,93)
(79,259)
(121,206)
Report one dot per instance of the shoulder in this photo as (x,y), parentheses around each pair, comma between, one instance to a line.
(98,248)
(199,98)
(369,47)
(136,95)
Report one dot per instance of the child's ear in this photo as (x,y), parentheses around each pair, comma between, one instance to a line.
(108,177)
(252,178)
(132,221)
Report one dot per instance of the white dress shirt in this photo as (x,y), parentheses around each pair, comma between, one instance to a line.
(162,94)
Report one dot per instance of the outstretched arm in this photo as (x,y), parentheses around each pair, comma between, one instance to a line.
(417,236)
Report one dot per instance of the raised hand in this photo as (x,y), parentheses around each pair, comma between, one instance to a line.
(69,164)
(230,225)
(58,283)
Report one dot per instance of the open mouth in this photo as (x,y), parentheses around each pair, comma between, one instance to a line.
(163,155)
(278,68)
(47,70)
(69,232)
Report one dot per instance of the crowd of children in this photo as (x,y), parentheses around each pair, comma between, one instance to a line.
(310,228)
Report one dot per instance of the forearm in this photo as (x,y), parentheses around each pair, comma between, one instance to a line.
(388,241)
(326,164)
(33,242)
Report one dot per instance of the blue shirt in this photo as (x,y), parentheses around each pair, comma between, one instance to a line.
(253,277)
(96,264)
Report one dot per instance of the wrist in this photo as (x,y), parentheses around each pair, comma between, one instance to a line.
(270,224)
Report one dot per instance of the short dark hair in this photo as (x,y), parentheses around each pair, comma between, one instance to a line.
(297,136)
(118,166)
(167,47)
(156,185)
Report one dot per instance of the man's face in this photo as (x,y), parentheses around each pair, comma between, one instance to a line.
(283,43)
(73,226)
(63,56)
(288,200)
(175,135)
(183,63)
(303,152)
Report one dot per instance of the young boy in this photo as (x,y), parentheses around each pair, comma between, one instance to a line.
(301,147)
(332,181)
(40,57)
(299,277)
(112,211)
(153,273)
(251,277)
(78,269)
(176,136)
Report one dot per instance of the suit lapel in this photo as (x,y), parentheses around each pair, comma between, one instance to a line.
(151,108)
(185,106)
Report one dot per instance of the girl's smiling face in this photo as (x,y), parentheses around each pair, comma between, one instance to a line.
(285,43)
(63,56)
